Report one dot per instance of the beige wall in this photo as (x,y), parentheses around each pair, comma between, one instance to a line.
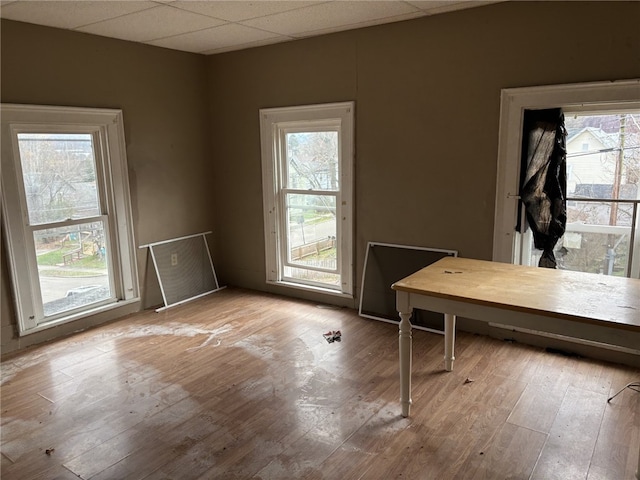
(163,96)
(427,95)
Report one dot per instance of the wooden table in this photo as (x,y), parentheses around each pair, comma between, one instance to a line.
(515,295)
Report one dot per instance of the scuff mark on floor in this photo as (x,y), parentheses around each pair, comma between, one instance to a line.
(205,343)
(9,368)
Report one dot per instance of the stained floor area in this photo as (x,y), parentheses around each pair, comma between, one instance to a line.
(243,385)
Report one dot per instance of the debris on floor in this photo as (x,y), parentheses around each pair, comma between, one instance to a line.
(468,380)
(49,451)
(332,336)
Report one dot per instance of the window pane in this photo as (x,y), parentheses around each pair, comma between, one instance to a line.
(312,276)
(312,160)
(603,162)
(603,156)
(592,243)
(72,266)
(311,230)
(59,175)
(597,237)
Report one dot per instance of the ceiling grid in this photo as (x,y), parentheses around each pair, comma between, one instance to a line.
(211,27)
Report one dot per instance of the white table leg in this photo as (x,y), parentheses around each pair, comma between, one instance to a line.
(449,340)
(405,341)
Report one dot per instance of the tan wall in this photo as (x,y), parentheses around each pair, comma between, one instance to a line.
(427,95)
(163,96)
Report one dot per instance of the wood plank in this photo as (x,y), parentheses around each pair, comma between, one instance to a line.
(243,385)
(617,445)
(513,452)
(542,398)
(569,448)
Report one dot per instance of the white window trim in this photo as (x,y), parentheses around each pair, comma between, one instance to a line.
(270,120)
(108,124)
(582,97)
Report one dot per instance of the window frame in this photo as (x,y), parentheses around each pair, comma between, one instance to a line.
(107,130)
(275,123)
(583,98)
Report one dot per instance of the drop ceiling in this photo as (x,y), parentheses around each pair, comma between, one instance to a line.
(210,27)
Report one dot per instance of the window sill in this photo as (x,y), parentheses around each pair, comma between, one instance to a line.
(311,288)
(78,316)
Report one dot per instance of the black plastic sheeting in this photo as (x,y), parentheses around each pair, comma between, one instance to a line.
(543,183)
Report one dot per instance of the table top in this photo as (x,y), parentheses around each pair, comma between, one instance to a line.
(578,296)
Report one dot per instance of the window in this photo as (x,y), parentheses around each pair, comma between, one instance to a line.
(307,165)
(603,192)
(67,213)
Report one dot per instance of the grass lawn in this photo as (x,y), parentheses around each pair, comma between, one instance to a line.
(55,258)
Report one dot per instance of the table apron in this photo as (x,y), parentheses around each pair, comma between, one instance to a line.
(541,322)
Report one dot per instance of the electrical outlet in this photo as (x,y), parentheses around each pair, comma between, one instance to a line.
(174,259)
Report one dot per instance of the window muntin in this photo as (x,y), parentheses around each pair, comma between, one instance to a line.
(67,213)
(307,165)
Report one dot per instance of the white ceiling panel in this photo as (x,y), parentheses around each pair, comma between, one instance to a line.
(214,26)
(152,24)
(69,14)
(216,39)
(244,46)
(334,16)
(442,6)
(235,11)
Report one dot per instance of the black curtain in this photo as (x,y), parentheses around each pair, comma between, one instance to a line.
(543,183)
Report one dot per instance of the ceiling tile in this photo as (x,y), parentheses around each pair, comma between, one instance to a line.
(70,14)
(234,11)
(335,16)
(432,7)
(159,22)
(217,38)
(429,4)
(242,46)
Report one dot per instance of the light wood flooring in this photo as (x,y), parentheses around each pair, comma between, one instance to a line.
(243,385)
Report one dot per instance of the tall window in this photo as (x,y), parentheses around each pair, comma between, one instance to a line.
(67,213)
(603,169)
(307,165)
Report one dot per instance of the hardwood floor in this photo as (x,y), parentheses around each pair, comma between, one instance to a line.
(243,385)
